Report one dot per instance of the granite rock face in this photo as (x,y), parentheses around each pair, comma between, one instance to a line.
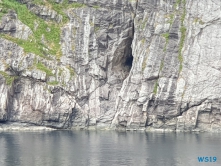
(124,64)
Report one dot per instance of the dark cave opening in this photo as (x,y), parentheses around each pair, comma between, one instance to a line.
(123,59)
(129,61)
(127,58)
(123,56)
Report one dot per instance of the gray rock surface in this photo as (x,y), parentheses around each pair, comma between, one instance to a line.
(10,24)
(125,64)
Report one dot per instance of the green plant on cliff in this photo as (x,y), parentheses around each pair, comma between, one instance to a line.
(42,67)
(71,70)
(61,8)
(155,87)
(96,7)
(96,28)
(166,36)
(171,18)
(50,31)
(144,64)
(53,83)
(9,79)
(161,65)
(183,34)
(28,46)
(182,39)
(177,3)
(3,10)
(46,34)
(39,2)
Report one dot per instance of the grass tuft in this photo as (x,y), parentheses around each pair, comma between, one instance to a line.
(166,36)
(53,83)
(96,7)
(34,44)
(161,65)
(183,36)
(72,73)
(9,79)
(155,88)
(42,67)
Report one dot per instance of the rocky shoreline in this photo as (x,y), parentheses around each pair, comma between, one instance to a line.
(33,128)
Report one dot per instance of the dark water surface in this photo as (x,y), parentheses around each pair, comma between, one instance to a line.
(73,148)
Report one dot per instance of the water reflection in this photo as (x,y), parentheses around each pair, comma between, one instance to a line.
(68,148)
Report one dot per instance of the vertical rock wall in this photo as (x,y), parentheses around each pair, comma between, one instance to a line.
(125,64)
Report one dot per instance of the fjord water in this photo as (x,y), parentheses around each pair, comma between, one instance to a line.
(73,148)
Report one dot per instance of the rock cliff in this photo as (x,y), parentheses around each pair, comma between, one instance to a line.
(120,64)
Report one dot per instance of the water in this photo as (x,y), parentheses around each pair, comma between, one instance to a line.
(73,148)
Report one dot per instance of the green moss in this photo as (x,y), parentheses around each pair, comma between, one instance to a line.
(96,7)
(155,87)
(143,40)
(53,83)
(91,23)
(166,36)
(50,31)
(3,10)
(64,5)
(27,45)
(77,5)
(34,44)
(72,73)
(22,11)
(143,25)
(161,65)
(39,2)
(195,20)
(183,16)
(201,22)
(60,8)
(97,28)
(182,40)
(9,79)
(60,72)
(177,3)
(42,67)
(144,64)
(183,36)
(171,19)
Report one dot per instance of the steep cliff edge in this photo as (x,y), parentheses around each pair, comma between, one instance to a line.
(100,64)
